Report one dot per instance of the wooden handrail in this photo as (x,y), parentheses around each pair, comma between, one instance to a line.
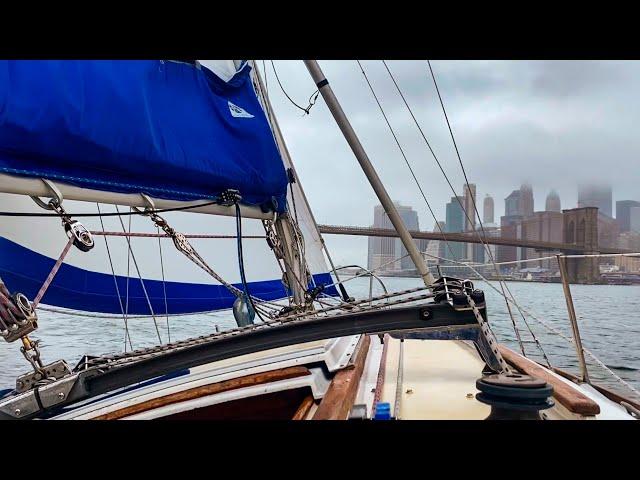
(569,397)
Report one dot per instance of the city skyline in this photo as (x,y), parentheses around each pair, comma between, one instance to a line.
(522,222)
(552,202)
(553,124)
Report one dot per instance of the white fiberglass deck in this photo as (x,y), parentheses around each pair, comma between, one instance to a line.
(438,380)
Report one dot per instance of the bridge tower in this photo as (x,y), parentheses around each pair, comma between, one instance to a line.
(580,227)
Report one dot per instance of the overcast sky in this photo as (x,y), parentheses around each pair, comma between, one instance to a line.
(551,123)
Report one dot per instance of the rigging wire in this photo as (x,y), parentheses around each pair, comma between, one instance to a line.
(312,98)
(144,288)
(404,156)
(164,286)
(128,263)
(446,177)
(473,202)
(115,281)
(482,277)
(560,334)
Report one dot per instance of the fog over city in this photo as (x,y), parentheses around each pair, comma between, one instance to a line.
(553,124)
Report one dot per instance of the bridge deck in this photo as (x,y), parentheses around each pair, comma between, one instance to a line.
(467,238)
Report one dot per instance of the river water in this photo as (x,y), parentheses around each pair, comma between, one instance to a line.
(608,316)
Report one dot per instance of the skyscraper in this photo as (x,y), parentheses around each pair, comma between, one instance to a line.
(470,217)
(526,200)
(623,213)
(509,225)
(634,219)
(453,224)
(553,202)
(512,204)
(596,196)
(469,196)
(384,250)
(487,211)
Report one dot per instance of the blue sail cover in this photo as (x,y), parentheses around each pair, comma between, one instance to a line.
(164,128)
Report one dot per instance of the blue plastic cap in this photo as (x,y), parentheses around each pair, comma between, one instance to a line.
(383,411)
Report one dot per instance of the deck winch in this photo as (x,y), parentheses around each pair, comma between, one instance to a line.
(514,396)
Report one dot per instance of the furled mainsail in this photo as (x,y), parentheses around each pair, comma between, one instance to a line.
(169,129)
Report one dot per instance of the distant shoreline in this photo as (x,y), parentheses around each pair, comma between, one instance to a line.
(493,278)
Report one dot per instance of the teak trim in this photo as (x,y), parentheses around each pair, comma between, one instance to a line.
(338,400)
(611,395)
(303,409)
(204,390)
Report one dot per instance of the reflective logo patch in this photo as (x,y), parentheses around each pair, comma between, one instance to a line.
(238,112)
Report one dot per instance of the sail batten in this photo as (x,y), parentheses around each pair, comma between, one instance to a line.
(171,130)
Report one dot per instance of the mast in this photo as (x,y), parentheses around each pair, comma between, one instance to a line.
(295,263)
(286,156)
(358,150)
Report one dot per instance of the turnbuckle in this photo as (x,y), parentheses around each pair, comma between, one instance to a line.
(179,240)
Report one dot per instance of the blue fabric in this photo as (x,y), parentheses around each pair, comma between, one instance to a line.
(159,127)
(24,270)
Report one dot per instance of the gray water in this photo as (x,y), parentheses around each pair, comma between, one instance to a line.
(608,316)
